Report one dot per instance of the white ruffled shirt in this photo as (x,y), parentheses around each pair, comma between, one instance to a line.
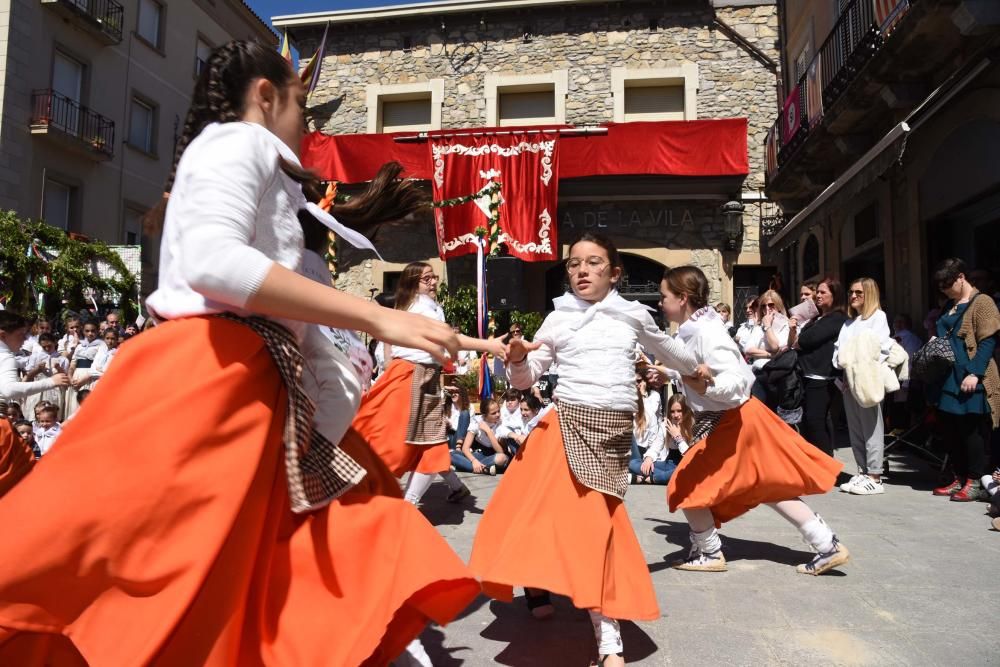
(594,345)
(707,339)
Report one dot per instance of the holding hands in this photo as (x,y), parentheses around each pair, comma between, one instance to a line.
(517,349)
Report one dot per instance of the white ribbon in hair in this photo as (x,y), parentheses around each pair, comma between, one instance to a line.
(355,238)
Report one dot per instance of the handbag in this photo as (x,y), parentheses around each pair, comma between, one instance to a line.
(934,360)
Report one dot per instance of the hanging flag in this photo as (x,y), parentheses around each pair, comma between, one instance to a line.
(286,50)
(791,116)
(310,73)
(888,13)
(814,91)
(482,318)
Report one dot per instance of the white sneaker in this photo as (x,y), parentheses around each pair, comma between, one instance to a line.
(846,486)
(867,487)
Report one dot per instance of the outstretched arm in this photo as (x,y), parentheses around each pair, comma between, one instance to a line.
(286,294)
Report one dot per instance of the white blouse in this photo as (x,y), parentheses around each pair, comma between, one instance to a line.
(428,307)
(89,349)
(706,337)
(594,344)
(103,360)
(876,324)
(11,387)
(232,213)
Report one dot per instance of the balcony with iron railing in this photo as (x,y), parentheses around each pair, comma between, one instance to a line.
(72,125)
(101,18)
(855,39)
(879,63)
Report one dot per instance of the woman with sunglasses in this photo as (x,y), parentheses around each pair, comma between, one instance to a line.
(402,417)
(864,424)
(968,398)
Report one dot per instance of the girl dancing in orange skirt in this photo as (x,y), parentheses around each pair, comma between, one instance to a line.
(557,521)
(746,455)
(402,417)
(234,533)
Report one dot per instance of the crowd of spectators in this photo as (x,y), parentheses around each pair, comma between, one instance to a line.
(830,360)
(48,369)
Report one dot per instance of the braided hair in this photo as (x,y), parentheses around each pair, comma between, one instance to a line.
(219,97)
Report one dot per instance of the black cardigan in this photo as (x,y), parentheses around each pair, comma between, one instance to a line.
(816,342)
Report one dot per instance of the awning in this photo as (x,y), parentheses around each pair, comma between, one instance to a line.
(668,148)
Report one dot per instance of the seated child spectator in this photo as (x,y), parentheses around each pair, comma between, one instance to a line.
(12,411)
(48,428)
(27,433)
(510,413)
(458,416)
(658,463)
(531,413)
(481,451)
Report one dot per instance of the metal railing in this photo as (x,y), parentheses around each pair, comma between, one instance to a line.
(53,110)
(107,15)
(854,40)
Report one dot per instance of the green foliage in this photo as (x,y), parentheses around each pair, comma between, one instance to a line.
(65,276)
(459,307)
(530,322)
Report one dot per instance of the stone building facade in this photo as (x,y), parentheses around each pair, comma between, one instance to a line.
(578,63)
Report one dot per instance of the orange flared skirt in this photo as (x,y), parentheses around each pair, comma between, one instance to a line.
(543,529)
(751,457)
(16,457)
(382,420)
(158,531)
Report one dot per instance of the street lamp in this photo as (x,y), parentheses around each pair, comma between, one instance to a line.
(732,225)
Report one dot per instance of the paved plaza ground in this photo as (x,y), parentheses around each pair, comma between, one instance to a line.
(923,588)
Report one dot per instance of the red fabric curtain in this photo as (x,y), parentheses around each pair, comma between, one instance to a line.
(526,166)
(669,148)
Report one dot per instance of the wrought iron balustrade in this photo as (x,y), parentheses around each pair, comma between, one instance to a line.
(53,111)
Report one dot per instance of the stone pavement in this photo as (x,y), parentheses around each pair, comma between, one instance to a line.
(923,588)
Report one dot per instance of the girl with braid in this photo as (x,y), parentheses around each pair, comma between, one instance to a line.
(742,454)
(237,534)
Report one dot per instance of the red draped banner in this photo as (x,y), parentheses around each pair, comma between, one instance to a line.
(526,166)
(664,148)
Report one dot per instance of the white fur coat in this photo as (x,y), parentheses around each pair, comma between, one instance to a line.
(869,379)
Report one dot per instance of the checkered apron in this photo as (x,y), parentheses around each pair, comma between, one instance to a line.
(426,425)
(598,446)
(318,470)
(704,424)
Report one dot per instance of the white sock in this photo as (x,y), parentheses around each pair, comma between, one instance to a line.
(417,486)
(990,486)
(452,480)
(414,656)
(818,534)
(607,632)
(708,541)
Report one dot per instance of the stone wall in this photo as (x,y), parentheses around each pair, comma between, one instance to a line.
(587,42)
